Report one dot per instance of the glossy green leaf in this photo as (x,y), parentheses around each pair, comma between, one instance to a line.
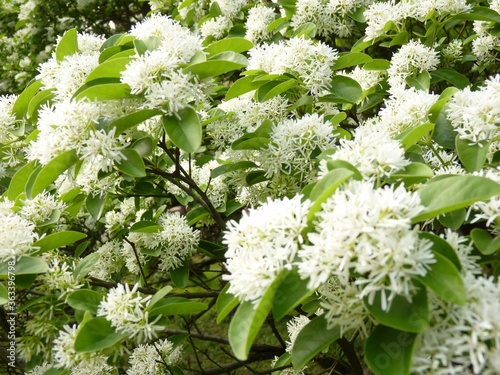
(479,14)
(57,240)
(85,265)
(442,246)
(377,64)
(105,91)
(290,293)
(486,244)
(280,88)
(248,320)
(158,296)
(109,69)
(445,280)
(133,165)
(68,45)
(403,315)
(226,302)
(52,170)
(472,156)
(96,334)
(185,132)
(451,76)
(229,44)
(453,192)
(242,86)
(95,205)
(180,276)
(37,101)
(346,88)
(414,173)
(22,102)
(444,134)
(226,168)
(453,219)
(351,59)
(219,64)
(389,351)
(126,122)
(414,134)
(312,339)
(18,182)
(24,265)
(85,299)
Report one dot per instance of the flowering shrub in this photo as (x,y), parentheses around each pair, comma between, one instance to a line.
(325,172)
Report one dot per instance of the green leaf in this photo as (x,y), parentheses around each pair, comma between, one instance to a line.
(18,182)
(226,302)
(445,280)
(229,44)
(399,39)
(95,205)
(176,306)
(453,192)
(486,244)
(180,276)
(414,173)
(4,295)
(324,189)
(158,296)
(226,168)
(351,59)
(146,226)
(85,300)
(52,170)
(109,69)
(248,320)
(144,146)
(242,86)
(414,134)
(306,29)
(313,338)
(126,122)
(442,246)
(451,76)
(444,134)
(479,14)
(219,64)
(21,104)
(290,293)
(104,91)
(472,156)
(278,89)
(25,265)
(68,45)
(185,132)
(453,219)
(389,351)
(403,315)
(96,334)
(85,265)
(133,165)
(346,88)
(377,64)
(57,240)
(38,100)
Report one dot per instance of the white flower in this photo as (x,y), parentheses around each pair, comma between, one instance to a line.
(293,143)
(258,19)
(95,365)
(59,278)
(366,78)
(104,149)
(177,240)
(294,326)
(125,309)
(412,57)
(310,62)
(367,231)
(18,235)
(215,27)
(151,359)
(379,13)
(7,118)
(488,210)
(262,244)
(475,115)
(40,208)
(64,351)
(110,262)
(373,152)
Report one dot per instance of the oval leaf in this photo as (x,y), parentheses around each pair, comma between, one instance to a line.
(133,165)
(59,239)
(85,300)
(96,334)
(185,132)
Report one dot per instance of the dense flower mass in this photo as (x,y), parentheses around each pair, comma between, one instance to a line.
(326,167)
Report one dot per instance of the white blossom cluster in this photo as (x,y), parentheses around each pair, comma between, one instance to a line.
(154,358)
(126,310)
(310,62)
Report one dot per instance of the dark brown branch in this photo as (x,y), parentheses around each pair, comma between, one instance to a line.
(351,355)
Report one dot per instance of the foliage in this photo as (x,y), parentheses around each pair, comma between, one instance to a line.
(322,168)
